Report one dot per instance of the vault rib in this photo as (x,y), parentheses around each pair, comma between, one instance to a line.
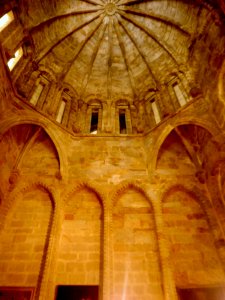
(56,18)
(150,34)
(81,46)
(125,2)
(109,75)
(156,17)
(93,2)
(93,57)
(189,148)
(139,51)
(122,47)
(42,56)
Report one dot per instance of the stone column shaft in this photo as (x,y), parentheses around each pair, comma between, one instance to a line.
(169,287)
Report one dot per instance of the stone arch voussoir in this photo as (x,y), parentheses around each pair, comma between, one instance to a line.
(89,186)
(131,184)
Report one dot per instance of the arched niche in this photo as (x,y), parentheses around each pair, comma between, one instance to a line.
(24,238)
(193,255)
(27,149)
(184,150)
(80,244)
(136,271)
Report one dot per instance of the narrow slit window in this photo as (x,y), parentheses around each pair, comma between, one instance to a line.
(122,121)
(6,19)
(94,121)
(179,94)
(61,111)
(37,94)
(14,60)
(155,111)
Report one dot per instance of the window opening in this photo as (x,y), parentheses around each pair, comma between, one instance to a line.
(61,111)
(16,293)
(211,293)
(122,121)
(94,121)
(14,60)
(82,292)
(6,19)
(155,111)
(37,94)
(179,94)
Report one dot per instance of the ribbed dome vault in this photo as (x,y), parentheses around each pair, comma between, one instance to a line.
(111,50)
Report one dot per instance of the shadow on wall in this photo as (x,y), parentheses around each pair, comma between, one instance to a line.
(25,149)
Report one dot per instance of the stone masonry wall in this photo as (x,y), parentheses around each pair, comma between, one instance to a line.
(78,260)
(23,240)
(135,249)
(193,254)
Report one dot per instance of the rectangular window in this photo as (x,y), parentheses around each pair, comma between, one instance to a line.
(155,111)
(61,111)
(6,19)
(37,93)
(213,293)
(122,121)
(94,121)
(16,293)
(179,94)
(80,292)
(14,60)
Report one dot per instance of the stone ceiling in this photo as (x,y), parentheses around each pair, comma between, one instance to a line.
(111,50)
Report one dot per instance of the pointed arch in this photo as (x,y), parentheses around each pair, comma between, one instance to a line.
(89,186)
(207,125)
(135,238)
(185,207)
(36,120)
(124,186)
(45,233)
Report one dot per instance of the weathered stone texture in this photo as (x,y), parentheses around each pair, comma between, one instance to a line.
(136,206)
(80,246)
(23,240)
(135,247)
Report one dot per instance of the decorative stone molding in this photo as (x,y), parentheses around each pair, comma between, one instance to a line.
(128,184)
(85,184)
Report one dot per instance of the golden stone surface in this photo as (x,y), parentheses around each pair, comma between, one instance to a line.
(110,9)
(137,210)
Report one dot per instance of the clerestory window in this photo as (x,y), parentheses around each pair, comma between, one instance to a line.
(5,20)
(180,95)
(94,121)
(155,110)
(61,111)
(37,93)
(122,121)
(14,60)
